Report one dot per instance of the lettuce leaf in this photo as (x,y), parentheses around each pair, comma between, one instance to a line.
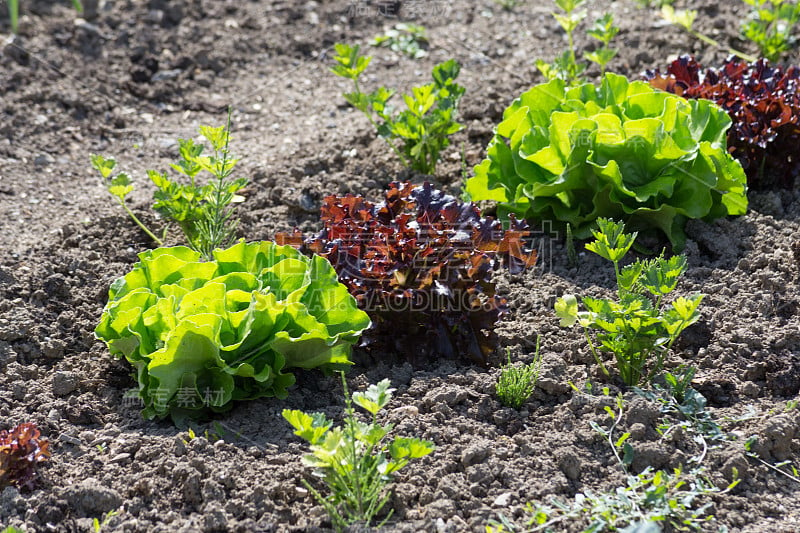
(204,334)
(621,150)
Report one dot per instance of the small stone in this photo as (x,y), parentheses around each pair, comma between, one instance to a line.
(504,500)
(638,431)
(53,349)
(406,411)
(475,454)
(88,27)
(91,498)
(68,439)
(120,458)
(65,383)
(214,519)
(13,48)
(162,75)
(569,463)
(750,389)
(43,160)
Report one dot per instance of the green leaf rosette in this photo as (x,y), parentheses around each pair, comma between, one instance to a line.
(204,334)
(622,150)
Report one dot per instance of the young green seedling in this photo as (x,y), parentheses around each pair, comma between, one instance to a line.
(427,122)
(508,5)
(406,38)
(638,327)
(355,461)
(771,26)
(565,66)
(603,30)
(684,18)
(203,212)
(516,383)
(120,187)
(13,12)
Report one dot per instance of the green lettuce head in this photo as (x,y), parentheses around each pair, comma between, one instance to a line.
(622,150)
(203,334)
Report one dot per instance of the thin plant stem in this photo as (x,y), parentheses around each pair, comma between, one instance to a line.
(13,14)
(594,352)
(716,44)
(140,224)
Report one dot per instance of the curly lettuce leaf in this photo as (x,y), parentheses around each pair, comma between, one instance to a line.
(619,150)
(204,334)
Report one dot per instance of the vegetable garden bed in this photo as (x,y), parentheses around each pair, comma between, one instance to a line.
(141,74)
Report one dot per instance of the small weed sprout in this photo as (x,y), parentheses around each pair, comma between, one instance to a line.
(406,38)
(648,501)
(572,256)
(639,328)
(98,526)
(517,382)
(427,122)
(355,461)
(784,467)
(654,3)
(508,5)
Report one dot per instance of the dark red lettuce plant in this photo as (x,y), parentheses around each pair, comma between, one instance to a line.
(764,103)
(421,263)
(21,450)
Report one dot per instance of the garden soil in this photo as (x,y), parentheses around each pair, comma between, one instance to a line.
(133,76)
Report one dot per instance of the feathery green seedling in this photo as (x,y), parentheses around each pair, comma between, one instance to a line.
(13,12)
(355,461)
(406,38)
(779,467)
(516,383)
(639,326)
(771,26)
(427,122)
(566,66)
(203,212)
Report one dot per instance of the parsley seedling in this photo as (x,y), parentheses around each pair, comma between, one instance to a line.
(638,326)
(427,122)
